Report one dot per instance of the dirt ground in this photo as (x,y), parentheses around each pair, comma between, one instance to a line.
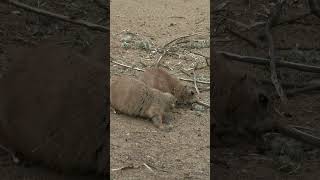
(296,41)
(19,29)
(139,29)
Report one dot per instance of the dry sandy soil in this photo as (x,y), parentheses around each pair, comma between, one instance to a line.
(184,152)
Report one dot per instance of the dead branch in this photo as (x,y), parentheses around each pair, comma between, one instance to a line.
(304,89)
(127,66)
(11,153)
(299,135)
(265,61)
(162,55)
(176,39)
(58,16)
(202,103)
(138,69)
(195,79)
(287,85)
(249,41)
(191,80)
(272,20)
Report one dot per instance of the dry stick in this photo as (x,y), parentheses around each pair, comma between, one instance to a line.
(179,38)
(249,41)
(287,85)
(202,103)
(300,135)
(162,55)
(274,17)
(265,61)
(138,69)
(195,79)
(304,89)
(13,156)
(59,16)
(124,65)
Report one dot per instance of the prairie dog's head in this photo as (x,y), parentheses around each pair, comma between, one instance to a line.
(170,99)
(186,95)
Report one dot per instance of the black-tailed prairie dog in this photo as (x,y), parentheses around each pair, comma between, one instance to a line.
(160,79)
(133,97)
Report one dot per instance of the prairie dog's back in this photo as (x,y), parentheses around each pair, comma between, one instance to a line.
(160,79)
(133,97)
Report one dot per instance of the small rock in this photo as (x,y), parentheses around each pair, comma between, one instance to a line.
(125,45)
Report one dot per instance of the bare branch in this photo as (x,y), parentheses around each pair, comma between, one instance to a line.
(59,16)
(265,61)
(273,19)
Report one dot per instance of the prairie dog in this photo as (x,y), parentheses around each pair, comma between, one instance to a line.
(133,97)
(240,105)
(160,79)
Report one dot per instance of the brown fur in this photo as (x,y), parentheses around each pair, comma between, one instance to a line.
(133,97)
(53,107)
(160,79)
(239,105)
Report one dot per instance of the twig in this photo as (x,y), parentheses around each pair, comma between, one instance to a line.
(191,80)
(195,78)
(204,89)
(162,55)
(273,19)
(287,85)
(264,61)
(58,16)
(138,69)
(148,167)
(124,65)
(304,89)
(202,103)
(176,39)
(124,167)
(249,41)
(291,131)
(13,156)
